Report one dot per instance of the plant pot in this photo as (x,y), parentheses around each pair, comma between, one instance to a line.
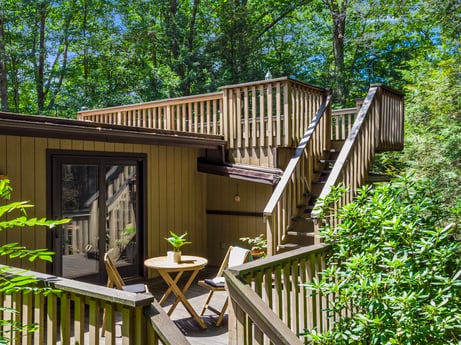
(174,257)
(257,253)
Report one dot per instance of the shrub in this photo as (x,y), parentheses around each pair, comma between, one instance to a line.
(10,281)
(395,273)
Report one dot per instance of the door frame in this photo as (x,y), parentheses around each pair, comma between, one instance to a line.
(55,159)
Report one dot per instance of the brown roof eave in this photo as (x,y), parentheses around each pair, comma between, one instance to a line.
(242,172)
(48,127)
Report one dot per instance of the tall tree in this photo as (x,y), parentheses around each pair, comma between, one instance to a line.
(338,11)
(3,71)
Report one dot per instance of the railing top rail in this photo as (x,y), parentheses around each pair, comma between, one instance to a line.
(177,100)
(343,111)
(348,145)
(388,88)
(275,80)
(294,160)
(129,299)
(167,331)
(278,259)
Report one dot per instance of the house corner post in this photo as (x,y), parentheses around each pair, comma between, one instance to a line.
(287,109)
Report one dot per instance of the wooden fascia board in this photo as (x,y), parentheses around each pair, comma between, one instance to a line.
(45,127)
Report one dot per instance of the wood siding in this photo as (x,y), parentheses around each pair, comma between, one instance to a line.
(228,220)
(175,190)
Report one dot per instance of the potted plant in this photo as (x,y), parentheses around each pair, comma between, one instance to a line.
(258,245)
(176,242)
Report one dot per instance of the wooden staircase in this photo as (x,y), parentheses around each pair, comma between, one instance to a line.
(290,217)
(301,230)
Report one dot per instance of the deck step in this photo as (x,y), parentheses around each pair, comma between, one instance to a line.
(299,238)
(301,224)
(317,187)
(287,247)
(301,234)
(332,150)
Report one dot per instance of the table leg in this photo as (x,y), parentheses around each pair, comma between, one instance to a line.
(184,289)
(168,291)
(180,297)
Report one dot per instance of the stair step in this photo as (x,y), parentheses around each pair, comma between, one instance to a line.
(287,247)
(307,210)
(323,178)
(297,218)
(301,234)
(299,238)
(317,187)
(301,224)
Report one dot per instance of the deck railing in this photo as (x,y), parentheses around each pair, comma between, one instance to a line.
(269,113)
(193,114)
(378,127)
(341,122)
(298,176)
(268,304)
(264,113)
(74,316)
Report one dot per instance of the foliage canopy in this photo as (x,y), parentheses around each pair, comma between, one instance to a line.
(395,273)
(12,280)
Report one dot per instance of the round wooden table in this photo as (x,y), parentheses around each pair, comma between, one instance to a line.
(167,269)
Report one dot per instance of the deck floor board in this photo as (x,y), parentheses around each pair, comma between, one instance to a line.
(212,335)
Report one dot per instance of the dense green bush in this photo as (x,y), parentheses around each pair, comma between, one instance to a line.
(396,265)
(11,282)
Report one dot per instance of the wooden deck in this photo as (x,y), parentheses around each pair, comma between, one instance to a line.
(195,334)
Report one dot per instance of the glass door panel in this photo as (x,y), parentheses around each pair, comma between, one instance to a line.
(79,240)
(121,224)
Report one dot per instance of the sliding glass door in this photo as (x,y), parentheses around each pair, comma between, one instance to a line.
(101,196)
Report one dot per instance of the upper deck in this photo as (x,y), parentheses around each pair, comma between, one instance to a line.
(254,118)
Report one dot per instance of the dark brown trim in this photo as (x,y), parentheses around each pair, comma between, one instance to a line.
(235,213)
(242,172)
(59,128)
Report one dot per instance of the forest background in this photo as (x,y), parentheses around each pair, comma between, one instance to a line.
(58,56)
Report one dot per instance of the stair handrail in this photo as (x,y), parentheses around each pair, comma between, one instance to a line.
(283,193)
(364,139)
(269,304)
(260,313)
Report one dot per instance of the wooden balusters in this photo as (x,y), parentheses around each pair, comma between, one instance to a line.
(267,295)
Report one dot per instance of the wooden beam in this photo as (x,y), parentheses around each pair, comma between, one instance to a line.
(260,175)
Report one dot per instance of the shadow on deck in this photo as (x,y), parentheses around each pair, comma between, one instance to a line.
(196,295)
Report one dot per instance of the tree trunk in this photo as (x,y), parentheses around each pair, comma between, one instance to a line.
(86,73)
(190,46)
(3,74)
(338,13)
(40,67)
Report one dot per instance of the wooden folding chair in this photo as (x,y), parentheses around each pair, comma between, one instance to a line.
(114,279)
(235,256)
